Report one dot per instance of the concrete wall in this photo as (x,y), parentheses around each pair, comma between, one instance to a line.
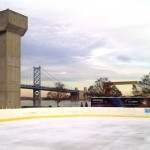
(29,113)
(10,70)
(12,26)
(13,22)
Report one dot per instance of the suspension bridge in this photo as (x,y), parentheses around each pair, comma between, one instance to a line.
(38,79)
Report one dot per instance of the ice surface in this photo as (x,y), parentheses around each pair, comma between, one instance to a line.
(78,133)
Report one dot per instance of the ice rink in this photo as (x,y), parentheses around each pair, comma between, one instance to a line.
(76,133)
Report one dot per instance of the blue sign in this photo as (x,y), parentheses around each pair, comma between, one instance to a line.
(121,102)
(147,110)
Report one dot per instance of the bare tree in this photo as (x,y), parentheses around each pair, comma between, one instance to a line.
(103,87)
(136,91)
(143,86)
(59,95)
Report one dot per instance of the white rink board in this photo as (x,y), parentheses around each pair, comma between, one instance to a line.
(27,113)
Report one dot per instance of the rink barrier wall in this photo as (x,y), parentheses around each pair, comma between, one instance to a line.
(30,113)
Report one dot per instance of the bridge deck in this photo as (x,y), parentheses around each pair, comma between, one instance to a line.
(24,86)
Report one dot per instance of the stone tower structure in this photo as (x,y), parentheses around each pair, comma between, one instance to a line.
(12,27)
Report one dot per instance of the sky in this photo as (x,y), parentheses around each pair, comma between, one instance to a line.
(79,41)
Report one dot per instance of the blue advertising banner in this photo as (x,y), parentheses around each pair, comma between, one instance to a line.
(120,102)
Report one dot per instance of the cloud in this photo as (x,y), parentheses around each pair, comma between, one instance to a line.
(82,40)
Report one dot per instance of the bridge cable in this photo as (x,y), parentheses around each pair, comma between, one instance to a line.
(55,78)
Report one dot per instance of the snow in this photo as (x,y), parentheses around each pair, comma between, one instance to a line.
(76,133)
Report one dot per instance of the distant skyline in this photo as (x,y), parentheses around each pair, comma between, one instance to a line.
(79,41)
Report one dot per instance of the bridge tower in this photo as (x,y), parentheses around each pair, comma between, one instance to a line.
(12,27)
(37,84)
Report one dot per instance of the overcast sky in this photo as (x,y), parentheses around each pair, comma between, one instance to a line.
(79,41)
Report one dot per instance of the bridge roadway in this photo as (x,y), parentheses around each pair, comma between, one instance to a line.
(24,86)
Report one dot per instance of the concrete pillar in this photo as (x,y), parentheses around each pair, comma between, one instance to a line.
(12,27)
